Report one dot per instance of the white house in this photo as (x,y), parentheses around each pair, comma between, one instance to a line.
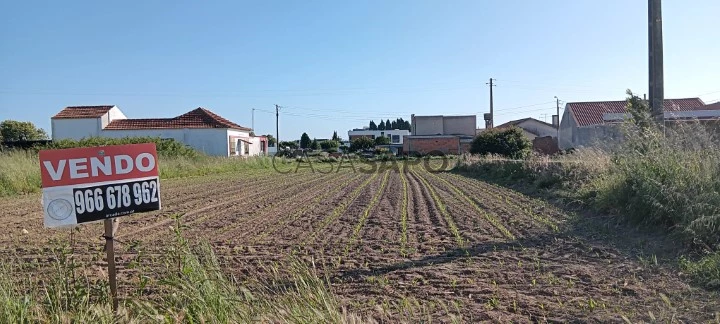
(395,135)
(200,129)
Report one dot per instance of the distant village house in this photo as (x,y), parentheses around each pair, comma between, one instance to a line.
(200,129)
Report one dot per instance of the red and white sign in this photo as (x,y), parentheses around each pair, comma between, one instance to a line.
(82,185)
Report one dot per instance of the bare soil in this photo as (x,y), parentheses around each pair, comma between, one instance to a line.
(391,266)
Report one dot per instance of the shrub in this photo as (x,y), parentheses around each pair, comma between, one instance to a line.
(507,142)
(165,147)
(382,140)
(361,143)
(330,145)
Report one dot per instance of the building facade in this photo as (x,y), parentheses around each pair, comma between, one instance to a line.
(440,134)
(394,135)
(200,129)
(598,123)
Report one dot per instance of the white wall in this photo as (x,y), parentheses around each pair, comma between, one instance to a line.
(211,141)
(113,114)
(538,128)
(378,133)
(75,128)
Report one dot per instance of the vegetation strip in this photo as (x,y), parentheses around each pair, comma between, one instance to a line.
(340,209)
(305,208)
(403,214)
(534,216)
(443,210)
(366,212)
(459,193)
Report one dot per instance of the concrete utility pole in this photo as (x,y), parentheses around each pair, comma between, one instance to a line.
(277,126)
(492,116)
(655,54)
(253,119)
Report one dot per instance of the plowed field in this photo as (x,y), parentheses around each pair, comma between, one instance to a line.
(396,246)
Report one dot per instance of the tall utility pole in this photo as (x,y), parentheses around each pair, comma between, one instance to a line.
(557,107)
(655,53)
(492,116)
(277,125)
(253,119)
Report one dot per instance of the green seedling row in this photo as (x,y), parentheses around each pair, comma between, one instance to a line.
(340,209)
(490,218)
(366,212)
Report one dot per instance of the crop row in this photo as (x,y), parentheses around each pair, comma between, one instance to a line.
(339,210)
(366,212)
(443,209)
(508,202)
(299,212)
(459,193)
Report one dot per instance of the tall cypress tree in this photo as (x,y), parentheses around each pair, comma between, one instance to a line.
(373,126)
(382,125)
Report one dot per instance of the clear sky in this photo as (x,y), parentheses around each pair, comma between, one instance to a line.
(334,65)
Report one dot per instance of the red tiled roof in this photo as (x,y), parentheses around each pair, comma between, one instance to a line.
(198,118)
(712,106)
(591,113)
(83,112)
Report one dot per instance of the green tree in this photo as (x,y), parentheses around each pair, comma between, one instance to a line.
(382,125)
(639,110)
(335,136)
(373,126)
(382,140)
(305,141)
(388,125)
(508,142)
(361,143)
(271,140)
(11,130)
(329,145)
(394,125)
(314,145)
(288,144)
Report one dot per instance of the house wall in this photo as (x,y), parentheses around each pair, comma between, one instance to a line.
(75,128)
(541,130)
(113,114)
(211,141)
(425,145)
(459,125)
(428,125)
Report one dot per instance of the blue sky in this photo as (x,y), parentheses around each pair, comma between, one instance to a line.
(334,65)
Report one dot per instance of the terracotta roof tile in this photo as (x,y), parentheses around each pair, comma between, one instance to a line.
(591,113)
(198,118)
(83,112)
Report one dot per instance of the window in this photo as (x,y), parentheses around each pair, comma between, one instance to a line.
(396,139)
(247,148)
(232,144)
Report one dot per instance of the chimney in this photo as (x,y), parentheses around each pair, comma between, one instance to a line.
(555,120)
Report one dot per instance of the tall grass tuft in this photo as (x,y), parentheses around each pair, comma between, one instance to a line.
(19,173)
(20,170)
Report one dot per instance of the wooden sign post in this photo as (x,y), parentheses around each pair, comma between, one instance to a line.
(84,185)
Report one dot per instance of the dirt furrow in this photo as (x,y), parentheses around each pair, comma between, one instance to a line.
(240,227)
(428,227)
(511,206)
(283,220)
